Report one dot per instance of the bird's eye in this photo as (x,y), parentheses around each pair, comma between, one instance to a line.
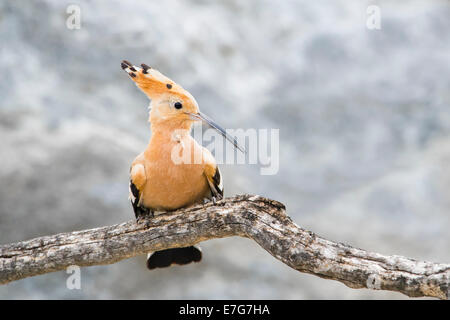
(178,105)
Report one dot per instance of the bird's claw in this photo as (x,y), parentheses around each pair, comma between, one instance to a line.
(145,218)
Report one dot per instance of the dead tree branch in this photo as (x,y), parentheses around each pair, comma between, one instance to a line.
(253,217)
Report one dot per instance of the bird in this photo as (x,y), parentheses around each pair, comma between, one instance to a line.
(159,180)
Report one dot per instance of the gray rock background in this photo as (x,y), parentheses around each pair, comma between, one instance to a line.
(363,116)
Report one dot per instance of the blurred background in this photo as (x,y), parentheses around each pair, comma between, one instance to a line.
(363,115)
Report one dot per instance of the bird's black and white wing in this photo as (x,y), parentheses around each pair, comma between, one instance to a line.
(137,183)
(214,178)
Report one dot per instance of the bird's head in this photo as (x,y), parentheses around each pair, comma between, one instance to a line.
(170,103)
(171,106)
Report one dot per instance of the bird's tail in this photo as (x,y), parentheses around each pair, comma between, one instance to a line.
(180,256)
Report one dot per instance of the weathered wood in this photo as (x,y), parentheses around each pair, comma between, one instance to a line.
(254,217)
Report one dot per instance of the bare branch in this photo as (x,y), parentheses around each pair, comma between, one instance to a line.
(253,217)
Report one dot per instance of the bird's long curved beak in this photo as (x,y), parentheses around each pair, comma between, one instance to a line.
(212,124)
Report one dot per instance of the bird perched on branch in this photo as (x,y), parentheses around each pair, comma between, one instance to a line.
(174,171)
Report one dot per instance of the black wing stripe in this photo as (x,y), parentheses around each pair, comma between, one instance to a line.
(134,191)
(138,210)
(215,185)
(217,181)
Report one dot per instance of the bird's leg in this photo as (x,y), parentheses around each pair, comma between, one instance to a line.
(208,200)
(143,214)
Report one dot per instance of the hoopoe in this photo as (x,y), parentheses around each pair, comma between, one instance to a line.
(157,182)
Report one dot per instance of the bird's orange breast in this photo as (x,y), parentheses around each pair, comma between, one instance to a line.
(171,185)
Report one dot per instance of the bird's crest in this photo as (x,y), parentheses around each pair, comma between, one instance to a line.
(152,82)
